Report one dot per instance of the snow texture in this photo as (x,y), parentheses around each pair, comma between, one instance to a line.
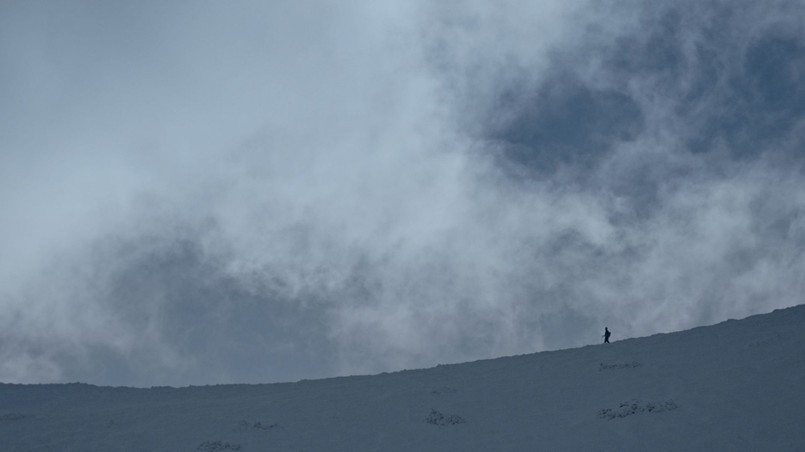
(735,386)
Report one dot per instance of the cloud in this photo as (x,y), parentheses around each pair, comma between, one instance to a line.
(261,192)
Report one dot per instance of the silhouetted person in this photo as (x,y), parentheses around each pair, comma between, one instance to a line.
(606,335)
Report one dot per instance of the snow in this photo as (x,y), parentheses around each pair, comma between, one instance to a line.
(734,386)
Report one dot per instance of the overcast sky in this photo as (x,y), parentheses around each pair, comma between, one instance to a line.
(203,192)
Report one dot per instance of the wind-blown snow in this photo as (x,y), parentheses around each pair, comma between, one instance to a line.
(733,386)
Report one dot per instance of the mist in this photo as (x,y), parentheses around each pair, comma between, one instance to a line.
(208,192)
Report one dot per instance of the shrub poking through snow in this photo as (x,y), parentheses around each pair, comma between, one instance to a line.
(215,446)
(437,418)
(613,366)
(636,407)
(246,425)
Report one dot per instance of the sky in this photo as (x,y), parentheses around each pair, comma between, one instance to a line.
(237,192)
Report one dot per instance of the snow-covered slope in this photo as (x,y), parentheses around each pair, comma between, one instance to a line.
(738,385)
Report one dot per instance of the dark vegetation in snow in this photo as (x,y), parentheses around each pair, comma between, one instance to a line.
(215,446)
(245,425)
(611,366)
(636,407)
(442,420)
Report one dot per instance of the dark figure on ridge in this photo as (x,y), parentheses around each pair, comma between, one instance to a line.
(606,335)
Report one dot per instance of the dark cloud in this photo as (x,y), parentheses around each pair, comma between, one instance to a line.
(567,124)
